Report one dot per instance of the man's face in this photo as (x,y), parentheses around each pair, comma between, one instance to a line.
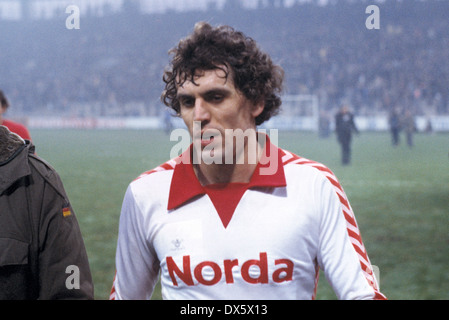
(217,105)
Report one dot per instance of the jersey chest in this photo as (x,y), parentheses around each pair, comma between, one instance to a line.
(271,239)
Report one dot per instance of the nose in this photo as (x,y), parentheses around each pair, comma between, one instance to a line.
(200,112)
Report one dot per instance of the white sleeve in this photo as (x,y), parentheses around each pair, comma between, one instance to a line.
(137,266)
(342,255)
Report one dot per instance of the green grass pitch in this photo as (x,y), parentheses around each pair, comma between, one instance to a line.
(400,197)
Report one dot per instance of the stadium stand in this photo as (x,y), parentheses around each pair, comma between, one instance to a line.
(112,65)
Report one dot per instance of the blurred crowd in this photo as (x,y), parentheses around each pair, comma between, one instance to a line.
(113,65)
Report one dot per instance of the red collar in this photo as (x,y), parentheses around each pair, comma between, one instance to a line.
(185,185)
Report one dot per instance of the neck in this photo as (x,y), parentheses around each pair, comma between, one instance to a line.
(224,173)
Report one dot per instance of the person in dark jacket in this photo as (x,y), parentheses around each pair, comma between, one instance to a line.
(345,126)
(394,121)
(42,253)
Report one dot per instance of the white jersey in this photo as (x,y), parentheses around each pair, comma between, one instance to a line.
(283,228)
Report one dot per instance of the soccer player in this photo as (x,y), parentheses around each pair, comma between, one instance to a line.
(229,220)
(13,126)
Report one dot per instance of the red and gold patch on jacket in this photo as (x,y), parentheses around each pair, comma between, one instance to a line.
(66,212)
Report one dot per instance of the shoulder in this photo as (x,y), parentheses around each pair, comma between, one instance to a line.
(154,180)
(165,167)
(317,169)
(149,191)
(41,166)
(45,171)
(297,165)
(290,159)
(17,128)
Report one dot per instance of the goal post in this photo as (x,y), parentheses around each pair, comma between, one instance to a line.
(298,112)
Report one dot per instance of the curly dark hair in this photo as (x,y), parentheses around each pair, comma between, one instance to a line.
(207,48)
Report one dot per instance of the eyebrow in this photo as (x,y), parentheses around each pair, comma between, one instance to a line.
(208,92)
(181,96)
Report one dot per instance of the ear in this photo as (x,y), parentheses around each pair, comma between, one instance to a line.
(257,108)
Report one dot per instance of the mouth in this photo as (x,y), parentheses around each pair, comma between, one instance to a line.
(207,139)
(208,136)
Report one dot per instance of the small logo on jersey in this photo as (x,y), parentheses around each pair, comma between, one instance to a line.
(177,244)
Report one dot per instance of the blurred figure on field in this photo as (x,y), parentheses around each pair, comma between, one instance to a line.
(14,127)
(344,127)
(324,124)
(394,122)
(429,128)
(409,125)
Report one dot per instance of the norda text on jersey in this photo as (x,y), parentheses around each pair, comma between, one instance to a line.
(283,272)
